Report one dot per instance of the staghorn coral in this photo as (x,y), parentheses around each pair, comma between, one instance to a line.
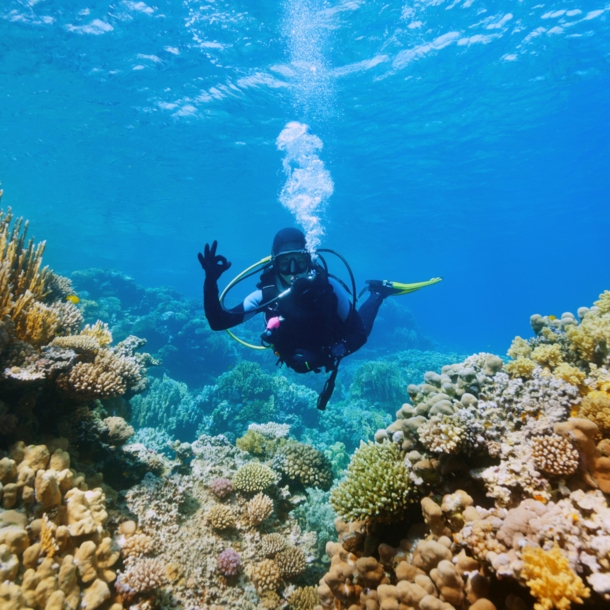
(271,544)
(551,579)
(555,455)
(228,562)
(221,517)
(266,576)
(253,477)
(305,464)
(259,508)
(291,562)
(376,486)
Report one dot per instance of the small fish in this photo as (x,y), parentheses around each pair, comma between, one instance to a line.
(73,299)
(551,318)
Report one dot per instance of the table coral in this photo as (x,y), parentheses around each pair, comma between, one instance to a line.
(551,579)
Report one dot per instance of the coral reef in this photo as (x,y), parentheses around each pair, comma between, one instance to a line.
(510,464)
(234,568)
(56,378)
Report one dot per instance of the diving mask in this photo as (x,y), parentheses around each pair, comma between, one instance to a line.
(292,263)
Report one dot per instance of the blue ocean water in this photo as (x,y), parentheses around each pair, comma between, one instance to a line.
(469,140)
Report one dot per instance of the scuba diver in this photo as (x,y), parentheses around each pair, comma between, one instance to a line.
(311,318)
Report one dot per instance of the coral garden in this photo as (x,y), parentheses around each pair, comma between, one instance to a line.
(192,477)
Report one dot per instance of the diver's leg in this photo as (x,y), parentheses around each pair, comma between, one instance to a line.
(368,310)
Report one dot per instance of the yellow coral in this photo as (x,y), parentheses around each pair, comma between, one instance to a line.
(596,407)
(99,331)
(519,348)
(548,355)
(551,579)
(604,302)
(591,338)
(22,281)
(569,373)
(521,367)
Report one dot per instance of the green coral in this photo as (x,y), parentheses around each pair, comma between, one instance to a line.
(304,464)
(376,487)
(253,477)
(256,443)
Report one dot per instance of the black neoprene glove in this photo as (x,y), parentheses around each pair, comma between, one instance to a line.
(213,264)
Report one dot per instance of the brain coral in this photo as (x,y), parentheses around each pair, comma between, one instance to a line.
(253,477)
(376,486)
(291,562)
(305,464)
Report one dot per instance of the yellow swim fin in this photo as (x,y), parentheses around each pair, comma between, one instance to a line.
(388,288)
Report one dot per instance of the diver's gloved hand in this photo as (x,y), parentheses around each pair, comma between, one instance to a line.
(213,264)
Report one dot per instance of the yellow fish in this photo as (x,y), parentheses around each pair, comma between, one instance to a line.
(73,299)
(551,318)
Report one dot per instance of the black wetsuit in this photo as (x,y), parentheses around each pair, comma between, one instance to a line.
(318,324)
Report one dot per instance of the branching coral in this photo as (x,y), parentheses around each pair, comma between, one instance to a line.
(253,477)
(228,562)
(376,486)
(303,598)
(291,562)
(221,517)
(551,579)
(305,464)
(554,454)
(591,338)
(266,576)
(272,544)
(259,508)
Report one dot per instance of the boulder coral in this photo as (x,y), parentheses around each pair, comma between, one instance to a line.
(55,548)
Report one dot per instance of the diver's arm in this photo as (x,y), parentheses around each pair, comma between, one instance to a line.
(219,318)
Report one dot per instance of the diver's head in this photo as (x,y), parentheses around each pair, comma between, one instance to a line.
(291,260)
